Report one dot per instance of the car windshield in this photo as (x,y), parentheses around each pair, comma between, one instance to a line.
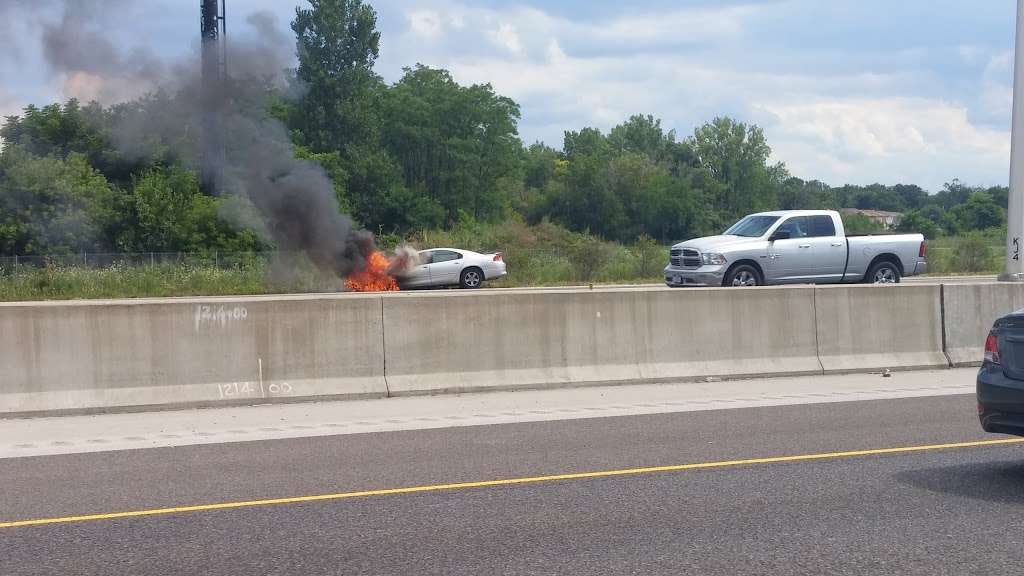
(752,226)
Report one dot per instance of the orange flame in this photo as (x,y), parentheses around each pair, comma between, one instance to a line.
(375,277)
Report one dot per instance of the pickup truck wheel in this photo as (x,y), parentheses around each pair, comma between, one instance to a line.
(884,273)
(742,275)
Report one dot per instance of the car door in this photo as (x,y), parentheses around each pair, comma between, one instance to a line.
(445,267)
(419,273)
(787,257)
(827,250)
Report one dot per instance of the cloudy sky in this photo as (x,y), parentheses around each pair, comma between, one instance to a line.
(848,91)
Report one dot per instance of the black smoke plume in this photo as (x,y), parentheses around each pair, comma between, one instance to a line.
(295,199)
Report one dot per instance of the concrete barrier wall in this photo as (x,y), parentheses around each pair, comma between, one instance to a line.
(89,355)
(970,310)
(177,352)
(467,341)
(868,327)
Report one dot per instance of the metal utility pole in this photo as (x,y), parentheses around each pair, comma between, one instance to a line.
(1015,225)
(213,27)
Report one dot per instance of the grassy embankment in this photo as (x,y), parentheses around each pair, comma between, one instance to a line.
(543,255)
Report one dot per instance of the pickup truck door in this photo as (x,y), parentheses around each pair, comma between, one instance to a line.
(827,250)
(813,253)
(787,258)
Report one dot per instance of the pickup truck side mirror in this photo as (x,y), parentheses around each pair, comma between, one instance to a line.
(779,235)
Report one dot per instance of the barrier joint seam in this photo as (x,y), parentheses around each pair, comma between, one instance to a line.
(942,325)
(384,351)
(817,343)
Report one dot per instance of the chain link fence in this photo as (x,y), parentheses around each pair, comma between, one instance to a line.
(94,260)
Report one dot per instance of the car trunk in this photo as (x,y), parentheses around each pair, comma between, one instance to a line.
(1011,346)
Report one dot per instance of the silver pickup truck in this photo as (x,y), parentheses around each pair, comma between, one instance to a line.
(794,247)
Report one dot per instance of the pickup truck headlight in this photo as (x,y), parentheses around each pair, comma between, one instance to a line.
(713,259)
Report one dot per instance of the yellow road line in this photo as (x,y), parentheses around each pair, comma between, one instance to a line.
(505,482)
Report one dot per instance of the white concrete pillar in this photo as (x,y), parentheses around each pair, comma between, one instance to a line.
(1015,215)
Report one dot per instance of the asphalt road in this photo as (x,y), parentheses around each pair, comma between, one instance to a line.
(957,510)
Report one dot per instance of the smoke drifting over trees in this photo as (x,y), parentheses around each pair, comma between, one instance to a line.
(294,198)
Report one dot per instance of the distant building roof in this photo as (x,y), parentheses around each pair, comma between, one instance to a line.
(871,213)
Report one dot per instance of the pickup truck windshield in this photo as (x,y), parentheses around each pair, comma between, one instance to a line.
(751,226)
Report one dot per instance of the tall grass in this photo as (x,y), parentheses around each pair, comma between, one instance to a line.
(540,255)
(973,253)
(58,283)
(547,254)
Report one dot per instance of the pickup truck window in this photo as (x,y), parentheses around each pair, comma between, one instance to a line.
(752,226)
(809,227)
(796,226)
(821,226)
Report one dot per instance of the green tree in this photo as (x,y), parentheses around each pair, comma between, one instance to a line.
(586,142)
(1000,195)
(911,196)
(915,222)
(334,166)
(455,143)
(171,214)
(379,197)
(54,205)
(953,193)
(737,155)
(589,204)
(861,224)
(795,194)
(642,135)
(980,212)
(539,163)
(337,43)
(60,130)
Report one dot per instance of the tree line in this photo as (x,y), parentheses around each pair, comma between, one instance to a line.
(422,153)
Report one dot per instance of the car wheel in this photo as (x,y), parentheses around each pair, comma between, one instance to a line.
(884,272)
(743,275)
(471,278)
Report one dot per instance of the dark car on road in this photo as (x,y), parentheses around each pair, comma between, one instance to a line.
(1001,378)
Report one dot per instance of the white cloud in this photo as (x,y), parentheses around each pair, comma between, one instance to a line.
(678,26)
(996,93)
(970,53)
(884,116)
(425,23)
(912,106)
(894,139)
(506,37)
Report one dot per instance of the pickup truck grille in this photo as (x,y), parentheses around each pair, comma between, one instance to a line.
(685,258)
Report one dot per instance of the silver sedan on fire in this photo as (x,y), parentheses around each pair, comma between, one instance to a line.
(440,267)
